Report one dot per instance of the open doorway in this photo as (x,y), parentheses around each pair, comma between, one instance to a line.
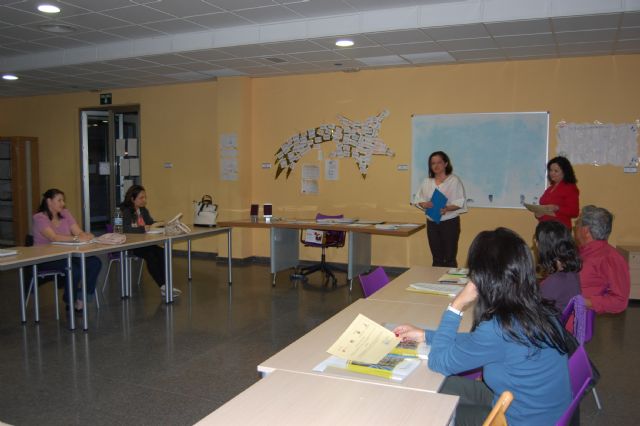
(110,140)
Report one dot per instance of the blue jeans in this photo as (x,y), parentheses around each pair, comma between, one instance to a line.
(93,266)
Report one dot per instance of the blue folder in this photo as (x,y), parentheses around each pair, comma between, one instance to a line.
(439,202)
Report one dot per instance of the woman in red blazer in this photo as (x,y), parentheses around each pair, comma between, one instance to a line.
(562,197)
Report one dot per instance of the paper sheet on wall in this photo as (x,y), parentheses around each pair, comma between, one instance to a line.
(331,170)
(228,148)
(124,167)
(310,186)
(104,168)
(598,144)
(134,167)
(132,147)
(229,168)
(121,147)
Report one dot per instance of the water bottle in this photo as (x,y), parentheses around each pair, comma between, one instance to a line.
(117,222)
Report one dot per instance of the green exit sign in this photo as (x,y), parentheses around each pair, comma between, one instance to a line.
(105,98)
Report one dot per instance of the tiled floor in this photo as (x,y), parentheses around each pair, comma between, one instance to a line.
(143,362)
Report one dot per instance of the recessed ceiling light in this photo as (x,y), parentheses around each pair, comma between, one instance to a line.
(344,43)
(9,77)
(48,8)
(56,28)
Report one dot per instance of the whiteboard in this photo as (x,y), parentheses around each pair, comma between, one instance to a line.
(500,157)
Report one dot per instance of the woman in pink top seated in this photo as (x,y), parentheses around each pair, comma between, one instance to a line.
(52,223)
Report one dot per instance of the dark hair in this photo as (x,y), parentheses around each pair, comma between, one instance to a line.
(556,245)
(447,170)
(132,194)
(501,266)
(565,166)
(44,207)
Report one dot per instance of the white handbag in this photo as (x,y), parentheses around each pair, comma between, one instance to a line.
(205,212)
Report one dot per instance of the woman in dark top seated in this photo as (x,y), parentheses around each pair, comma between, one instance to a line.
(560,262)
(136,219)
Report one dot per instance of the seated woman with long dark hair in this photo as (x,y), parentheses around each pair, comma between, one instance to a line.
(560,261)
(53,223)
(515,338)
(137,219)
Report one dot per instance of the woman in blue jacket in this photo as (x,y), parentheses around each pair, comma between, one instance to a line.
(515,338)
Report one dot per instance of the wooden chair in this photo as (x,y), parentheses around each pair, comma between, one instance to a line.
(497,415)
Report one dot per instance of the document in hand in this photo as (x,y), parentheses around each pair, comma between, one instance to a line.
(539,209)
(439,202)
(364,341)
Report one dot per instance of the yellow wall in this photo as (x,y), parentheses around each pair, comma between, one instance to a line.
(183,123)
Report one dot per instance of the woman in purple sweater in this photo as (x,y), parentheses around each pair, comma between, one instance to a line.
(560,261)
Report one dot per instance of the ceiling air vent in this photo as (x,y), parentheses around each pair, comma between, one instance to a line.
(276,60)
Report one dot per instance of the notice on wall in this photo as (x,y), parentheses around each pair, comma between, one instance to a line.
(310,176)
(229,157)
(331,170)
(104,168)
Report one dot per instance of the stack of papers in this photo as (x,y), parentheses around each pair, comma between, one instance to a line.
(8,252)
(387,227)
(437,289)
(341,220)
(458,271)
(73,243)
(453,279)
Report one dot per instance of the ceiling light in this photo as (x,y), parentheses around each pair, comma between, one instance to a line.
(344,43)
(56,28)
(9,77)
(48,8)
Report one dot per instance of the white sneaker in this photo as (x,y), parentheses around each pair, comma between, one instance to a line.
(163,291)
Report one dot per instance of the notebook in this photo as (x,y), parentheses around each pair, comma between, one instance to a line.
(8,252)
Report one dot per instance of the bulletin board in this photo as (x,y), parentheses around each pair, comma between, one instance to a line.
(500,157)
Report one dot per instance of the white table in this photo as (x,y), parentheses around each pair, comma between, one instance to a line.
(285,398)
(308,351)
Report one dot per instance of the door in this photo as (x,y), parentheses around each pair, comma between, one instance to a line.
(110,162)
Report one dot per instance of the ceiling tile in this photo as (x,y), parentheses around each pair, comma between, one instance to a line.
(530,51)
(376,61)
(381,4)
(525,40)
(326,55)
(207,55)
(181,8)
(340,65)
(479,54)
(167,59)
(219,20)
(398,37)
(250,51)
(235,63)
(627,33)
(470,44)
(268,14)
(240,4)
(97,37)
(198,66)
(585,36)
(414,48)
(138,14)
(313,9)
(29,47)
(94,21)
(299,67)
(577,23)
(63,42)
(175,26)
(457,32)
(534,26)
(162,70)
(98,5)
(586,48)
(18,17)
(129,63)
(628,46)
(364,52)
(9,52)
(296,46)
(279,59)
(429,58)
(131,73)
(631,19)
(100,67)
(134,31)
(31,6)
(22,33)
(358,40)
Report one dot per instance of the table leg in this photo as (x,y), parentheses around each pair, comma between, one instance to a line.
(123,279)
(229,255)
(23,309)
(359,255)
(72,319)
(168,271)
(85,308)
(189,260)
(36,298)
(285,249)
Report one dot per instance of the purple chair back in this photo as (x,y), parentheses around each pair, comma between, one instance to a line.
(580,375)
(374,281)
(583,319)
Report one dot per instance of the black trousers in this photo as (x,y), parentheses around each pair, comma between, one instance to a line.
(476,399)
(154,257)
(443,241)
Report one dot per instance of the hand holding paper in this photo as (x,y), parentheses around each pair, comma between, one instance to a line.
(364,341)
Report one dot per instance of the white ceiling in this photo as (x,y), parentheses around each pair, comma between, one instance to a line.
(132,43)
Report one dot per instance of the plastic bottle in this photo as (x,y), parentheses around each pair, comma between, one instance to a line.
(117,222)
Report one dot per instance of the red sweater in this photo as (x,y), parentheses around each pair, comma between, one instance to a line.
(604,278)
(567,197)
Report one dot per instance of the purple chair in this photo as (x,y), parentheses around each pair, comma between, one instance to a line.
(580,374)
(583,320)
(325,240)
(373,281)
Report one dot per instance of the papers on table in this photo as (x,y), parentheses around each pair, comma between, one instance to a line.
(156,231)
(450,290)
(458,271)
(439,202)
(8,252)
(453,279)
(364,341)
(340,220)
(391,366)
(387,226)
(73,243)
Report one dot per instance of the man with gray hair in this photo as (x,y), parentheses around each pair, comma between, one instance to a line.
(604,278)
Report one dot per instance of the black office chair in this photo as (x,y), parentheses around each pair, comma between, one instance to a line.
(324,240)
